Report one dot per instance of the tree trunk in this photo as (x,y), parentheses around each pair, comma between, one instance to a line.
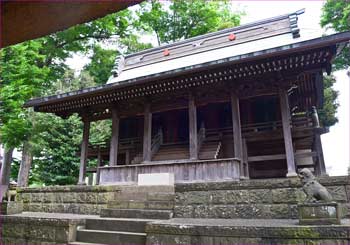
(27,159)
(1,156)
(5,172)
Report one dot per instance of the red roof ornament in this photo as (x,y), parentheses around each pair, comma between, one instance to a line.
(166,52)
(232,37)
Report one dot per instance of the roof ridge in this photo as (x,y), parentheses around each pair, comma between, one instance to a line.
(235,28)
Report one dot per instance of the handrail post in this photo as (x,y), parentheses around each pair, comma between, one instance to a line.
(314,116)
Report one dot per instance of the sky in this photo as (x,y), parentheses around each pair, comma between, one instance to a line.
(336,142)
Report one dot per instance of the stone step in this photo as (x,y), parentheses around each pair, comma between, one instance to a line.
(85,243)
(145,196)
(110,237)
(134,189)
(136,213)
(110,224)
(136,204)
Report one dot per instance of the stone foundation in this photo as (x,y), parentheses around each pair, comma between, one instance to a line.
(81,199)
(67,199)
(259,199)
(38,230)
(244,231)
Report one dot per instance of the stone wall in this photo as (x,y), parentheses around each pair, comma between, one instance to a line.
(34,230)
(210,232)
(264,199)
(67,199)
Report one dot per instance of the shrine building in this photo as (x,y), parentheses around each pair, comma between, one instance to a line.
(234,104)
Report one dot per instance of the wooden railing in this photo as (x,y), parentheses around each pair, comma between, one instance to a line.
(129,141)
(264,126)
(216,155)
(156,142)
(184,171)
(126,142)
(302,121)
(218,131)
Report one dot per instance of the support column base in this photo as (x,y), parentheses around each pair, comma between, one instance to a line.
(292,175)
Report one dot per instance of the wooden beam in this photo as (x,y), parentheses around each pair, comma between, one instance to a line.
(287,134)
(147,134)
(84,151)
(192,116)
(113,154)
(237,134)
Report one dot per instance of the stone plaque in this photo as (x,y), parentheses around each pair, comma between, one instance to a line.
(319,213)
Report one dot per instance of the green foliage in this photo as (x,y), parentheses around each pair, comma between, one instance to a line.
(21,78)
(37,68)
(55,149)
(336,15)
(14,169)
(326,114)
(133,44)
(183,19)
(101,64)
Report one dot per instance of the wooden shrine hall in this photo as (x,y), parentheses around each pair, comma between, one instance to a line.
(234,104)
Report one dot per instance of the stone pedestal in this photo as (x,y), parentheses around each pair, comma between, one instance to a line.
(8,208)
(319,213)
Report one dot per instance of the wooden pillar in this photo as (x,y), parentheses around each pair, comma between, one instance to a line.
(237,134)
(192,118)
(147,134)
(113,150)
(84,151)
(99,164)
(320,167)
(245,158)
(287,133)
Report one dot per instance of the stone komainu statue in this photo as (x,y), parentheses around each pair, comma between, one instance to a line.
(313,189)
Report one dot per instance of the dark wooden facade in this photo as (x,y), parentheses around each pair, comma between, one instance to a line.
(248,115)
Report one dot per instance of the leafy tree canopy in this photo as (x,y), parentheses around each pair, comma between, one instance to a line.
(101,64)
(183,19)
(336,15)
(327,114)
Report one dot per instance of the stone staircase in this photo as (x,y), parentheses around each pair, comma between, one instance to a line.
(173,151)
(112,231)
(124,220)
(210,149)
